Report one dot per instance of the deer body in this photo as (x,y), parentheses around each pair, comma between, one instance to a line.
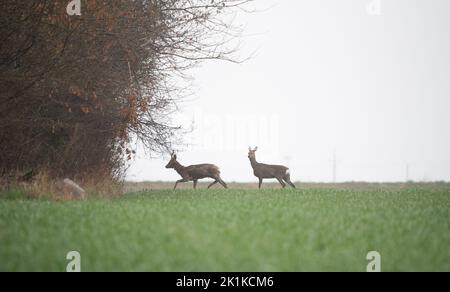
(267,171)
(196,172)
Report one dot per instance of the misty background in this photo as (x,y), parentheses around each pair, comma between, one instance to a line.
(349,90)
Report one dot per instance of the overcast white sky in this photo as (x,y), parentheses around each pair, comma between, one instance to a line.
(329,76)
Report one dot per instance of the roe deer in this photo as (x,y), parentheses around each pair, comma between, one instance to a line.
(262,171)
(195,172)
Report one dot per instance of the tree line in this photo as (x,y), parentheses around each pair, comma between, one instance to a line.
(75,90)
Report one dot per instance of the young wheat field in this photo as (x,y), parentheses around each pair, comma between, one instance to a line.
(313,228)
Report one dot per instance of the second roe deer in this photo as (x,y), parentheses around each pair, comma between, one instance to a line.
(262,171)
(195,172)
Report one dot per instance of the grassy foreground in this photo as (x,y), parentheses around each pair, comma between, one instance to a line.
(231,230)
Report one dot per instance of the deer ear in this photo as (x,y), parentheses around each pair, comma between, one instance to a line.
(249,148)
(256,148)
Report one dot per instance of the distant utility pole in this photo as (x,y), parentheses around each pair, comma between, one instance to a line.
(407,172)
(334,167)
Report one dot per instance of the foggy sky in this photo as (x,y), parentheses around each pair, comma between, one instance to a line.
(327,77)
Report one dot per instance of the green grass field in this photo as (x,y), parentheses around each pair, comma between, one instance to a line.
(309,229)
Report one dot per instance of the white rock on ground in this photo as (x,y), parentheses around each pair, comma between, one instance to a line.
(72,190)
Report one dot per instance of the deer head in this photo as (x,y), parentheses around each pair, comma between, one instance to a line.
(172,161)
(251,153)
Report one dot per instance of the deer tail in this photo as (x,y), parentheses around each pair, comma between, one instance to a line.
(217,169)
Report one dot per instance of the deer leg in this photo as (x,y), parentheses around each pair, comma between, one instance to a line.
(260,182)
(195,184)
(281,182)
(179,181)
(288,180)
(222,183)
(216,181)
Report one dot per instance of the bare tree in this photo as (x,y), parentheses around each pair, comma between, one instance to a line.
(75,89)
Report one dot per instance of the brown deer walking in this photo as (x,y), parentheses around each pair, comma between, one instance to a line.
(262,171)
(195,172)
